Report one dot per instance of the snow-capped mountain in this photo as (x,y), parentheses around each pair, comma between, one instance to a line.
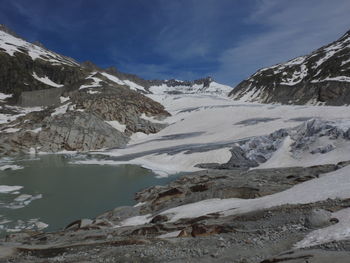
(205,86)
(322,77)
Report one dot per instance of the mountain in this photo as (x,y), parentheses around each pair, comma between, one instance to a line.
(320,78)
(50,102)
(205,86)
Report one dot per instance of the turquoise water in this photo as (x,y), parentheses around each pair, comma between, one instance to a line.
(67,192)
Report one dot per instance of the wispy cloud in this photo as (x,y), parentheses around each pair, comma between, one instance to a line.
(290,29)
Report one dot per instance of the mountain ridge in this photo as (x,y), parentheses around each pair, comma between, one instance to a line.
(321,77)
(35,58)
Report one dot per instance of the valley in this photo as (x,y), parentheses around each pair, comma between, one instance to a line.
(99,165)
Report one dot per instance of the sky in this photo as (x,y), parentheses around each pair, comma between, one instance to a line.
(228,40)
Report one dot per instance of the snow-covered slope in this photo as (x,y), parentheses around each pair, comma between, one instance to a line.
(132,85)
(29,67)
(322,77)
(10,44)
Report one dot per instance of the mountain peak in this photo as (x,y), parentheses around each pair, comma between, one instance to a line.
(345,36)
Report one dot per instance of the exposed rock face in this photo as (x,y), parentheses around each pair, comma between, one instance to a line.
(81,122)
(72,131)
(78,131)
(323,77)
(122,105)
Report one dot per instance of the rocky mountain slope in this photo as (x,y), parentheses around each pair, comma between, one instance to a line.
(322,77)
(50,103)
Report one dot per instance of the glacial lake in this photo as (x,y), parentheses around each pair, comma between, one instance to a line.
(57,192)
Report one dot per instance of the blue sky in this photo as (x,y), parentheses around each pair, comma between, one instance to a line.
(184,39)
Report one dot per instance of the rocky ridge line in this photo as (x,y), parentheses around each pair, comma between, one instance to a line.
(320,78)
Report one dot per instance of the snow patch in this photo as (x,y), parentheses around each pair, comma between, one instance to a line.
(96,82)
(338,78)
(4,118)
(130,84)
(61,110)
(170,235)
(337,232)
(64,99)
(11,130)
(37,130)
(47,81)
(4,96)
(93,92)
(151,119)
(117,125)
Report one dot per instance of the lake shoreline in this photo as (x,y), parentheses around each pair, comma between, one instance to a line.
(49,191)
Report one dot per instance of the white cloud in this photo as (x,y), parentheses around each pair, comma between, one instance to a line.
(290,29)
